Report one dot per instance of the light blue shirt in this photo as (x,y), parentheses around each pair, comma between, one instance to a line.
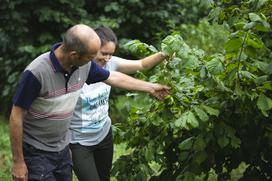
(91,122)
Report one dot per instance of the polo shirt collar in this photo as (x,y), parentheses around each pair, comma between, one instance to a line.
(55,62)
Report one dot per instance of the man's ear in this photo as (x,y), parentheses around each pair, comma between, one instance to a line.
(73,54)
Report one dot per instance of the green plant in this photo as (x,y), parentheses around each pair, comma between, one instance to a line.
(218,114)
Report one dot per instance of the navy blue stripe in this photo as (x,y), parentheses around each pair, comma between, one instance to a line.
(57,66)
(28,89)
(97,74)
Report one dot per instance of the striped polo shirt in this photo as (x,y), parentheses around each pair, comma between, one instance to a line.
(49,94)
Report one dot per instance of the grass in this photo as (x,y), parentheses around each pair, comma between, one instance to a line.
(5,153)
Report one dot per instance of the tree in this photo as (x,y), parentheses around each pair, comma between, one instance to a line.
(219,112)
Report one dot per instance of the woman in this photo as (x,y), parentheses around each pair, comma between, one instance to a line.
(91,135)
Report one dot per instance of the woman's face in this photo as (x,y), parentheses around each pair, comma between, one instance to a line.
(105,53)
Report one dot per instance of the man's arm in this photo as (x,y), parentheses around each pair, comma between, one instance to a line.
(121,80)
(132,66)
(19,169)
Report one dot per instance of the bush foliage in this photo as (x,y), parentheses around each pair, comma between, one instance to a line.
(218,115)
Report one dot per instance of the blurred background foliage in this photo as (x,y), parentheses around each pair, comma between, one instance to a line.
(30,27)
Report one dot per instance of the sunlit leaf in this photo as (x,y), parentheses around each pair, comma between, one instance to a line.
(215,66)
(201,114)
(186,144)
(233,45)
(210,110)
(254,17)
(264,103)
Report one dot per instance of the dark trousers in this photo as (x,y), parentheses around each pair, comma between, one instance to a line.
(47,166)
(93,163)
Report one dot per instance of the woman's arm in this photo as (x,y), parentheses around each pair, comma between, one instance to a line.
(132,66)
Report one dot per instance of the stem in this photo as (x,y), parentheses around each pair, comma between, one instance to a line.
(183,167)
(240,55)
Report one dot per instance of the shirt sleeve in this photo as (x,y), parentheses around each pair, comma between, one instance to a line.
(27,91)
(114,63)
(97,74)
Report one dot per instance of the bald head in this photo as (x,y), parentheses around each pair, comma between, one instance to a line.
(82,39)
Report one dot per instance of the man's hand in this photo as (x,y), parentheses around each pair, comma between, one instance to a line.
(19,171)
(160,91)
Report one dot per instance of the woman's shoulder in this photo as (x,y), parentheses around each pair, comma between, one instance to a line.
(114,62)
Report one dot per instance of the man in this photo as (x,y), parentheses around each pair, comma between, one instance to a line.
(45,100)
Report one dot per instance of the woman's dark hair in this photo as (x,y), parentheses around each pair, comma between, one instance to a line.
(106,35)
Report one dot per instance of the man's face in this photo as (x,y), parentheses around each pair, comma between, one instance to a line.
(83,59)
(105,53)
(77,59)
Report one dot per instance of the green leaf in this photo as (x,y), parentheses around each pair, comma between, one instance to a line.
(267,85)
(13,78)
(222,141)
(215,13)
(190,119)
(258,23)
(186,144)
(137,48)
(260,3)
(201,114)
(174,43)
(264,103)
(191,62)
(210,110)
(247,75)
(233,45)
(215,66)
(203,72)
(254,17)
(249,25)
(179,122)
(149,153)
(260,80)
(262,26)
(26,49)
(263,66)
(142,173)
(238,90)
(235,142)
(199,157)
(199,144)
(254,41)
(183,155)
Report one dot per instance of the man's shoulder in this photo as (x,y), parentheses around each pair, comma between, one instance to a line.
(85,68)
(39,63)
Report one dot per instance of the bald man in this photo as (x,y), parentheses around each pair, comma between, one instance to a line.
(45,100)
